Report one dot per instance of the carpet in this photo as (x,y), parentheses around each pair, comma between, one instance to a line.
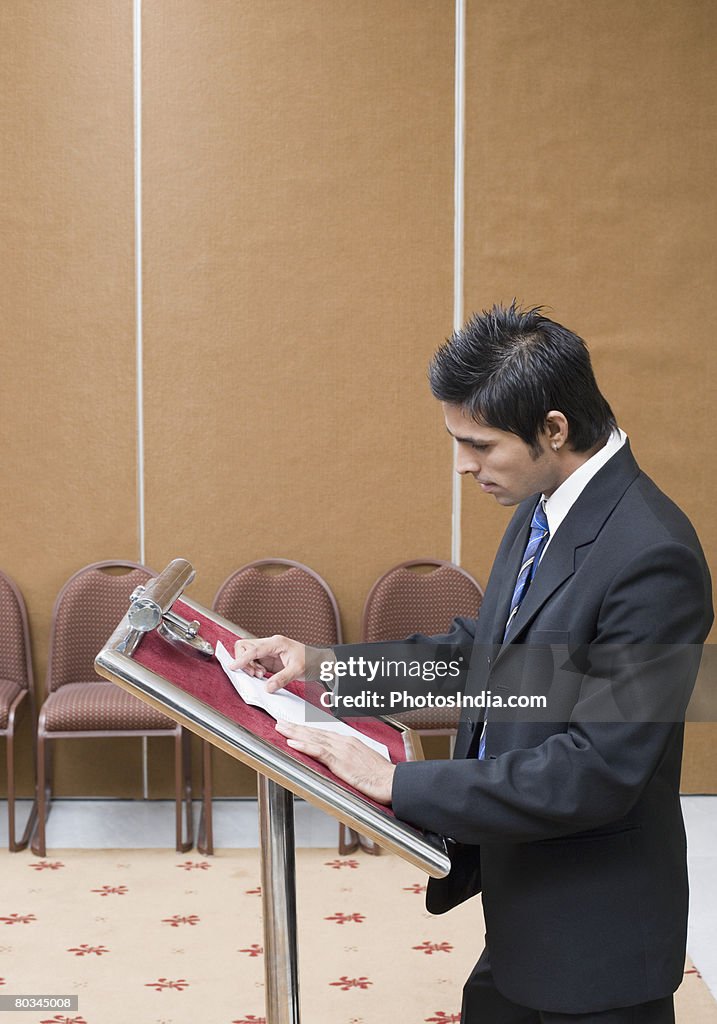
(155,937)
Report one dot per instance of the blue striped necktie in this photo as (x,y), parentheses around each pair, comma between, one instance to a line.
(537,540)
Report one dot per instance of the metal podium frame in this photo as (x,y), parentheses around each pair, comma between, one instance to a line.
(281,777)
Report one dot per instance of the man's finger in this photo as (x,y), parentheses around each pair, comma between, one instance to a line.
(279,679)
(284,727)
(246,651)
(299,738)
(243,654)
(288,674)
(314,738)
(296,732)
(314,750)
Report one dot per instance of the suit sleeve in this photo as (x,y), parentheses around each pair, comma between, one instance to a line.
(388,659)
(642,666)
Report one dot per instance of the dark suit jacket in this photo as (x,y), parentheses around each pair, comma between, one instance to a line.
(572,826)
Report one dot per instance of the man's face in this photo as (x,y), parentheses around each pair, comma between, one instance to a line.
(501,462)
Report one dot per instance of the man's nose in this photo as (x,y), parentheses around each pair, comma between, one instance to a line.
(467,461)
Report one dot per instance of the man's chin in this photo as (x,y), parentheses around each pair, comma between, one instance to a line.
(506,500)
(500,495)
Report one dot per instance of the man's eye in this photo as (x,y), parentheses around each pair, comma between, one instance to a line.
(479,447)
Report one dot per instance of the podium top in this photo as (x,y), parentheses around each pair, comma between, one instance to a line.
(196,693)
(206,680)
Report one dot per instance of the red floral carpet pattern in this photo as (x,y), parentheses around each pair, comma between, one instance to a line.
(152,937)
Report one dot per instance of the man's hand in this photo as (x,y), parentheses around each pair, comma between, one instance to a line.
(287,659)
(349,759)
(277,654)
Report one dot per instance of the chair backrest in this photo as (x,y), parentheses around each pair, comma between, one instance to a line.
(420,596)
(15,656)
(276,595)
(86,613)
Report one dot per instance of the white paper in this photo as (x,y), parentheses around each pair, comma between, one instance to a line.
(287,706)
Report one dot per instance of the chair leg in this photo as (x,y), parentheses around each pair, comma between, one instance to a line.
(369,846)
(183,790)
(348,839)
(10,753)
(205,839)
(44,795)
(13,845)
(188,791)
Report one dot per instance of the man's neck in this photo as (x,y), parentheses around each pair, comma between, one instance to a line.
(573,460)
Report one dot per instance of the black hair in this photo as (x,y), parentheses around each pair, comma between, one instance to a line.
(507,367)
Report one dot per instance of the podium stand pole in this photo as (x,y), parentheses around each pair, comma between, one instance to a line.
(278,881)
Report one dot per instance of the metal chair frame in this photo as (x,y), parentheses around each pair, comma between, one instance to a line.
(17,707)
(182,741)
(414,563)
(205,838)
(349,839)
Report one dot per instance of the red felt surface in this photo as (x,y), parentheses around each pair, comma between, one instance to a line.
(206,680)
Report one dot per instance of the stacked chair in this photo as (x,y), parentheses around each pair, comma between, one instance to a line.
(16,693)
(78,704)
(263,597)
(272,595)
(421,596)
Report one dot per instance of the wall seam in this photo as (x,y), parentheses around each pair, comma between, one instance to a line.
(458,243)
(139,339)
(138,334)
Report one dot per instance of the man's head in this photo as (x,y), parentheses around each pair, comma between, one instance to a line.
(520,396)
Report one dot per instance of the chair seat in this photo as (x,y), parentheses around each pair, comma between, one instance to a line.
(8,692)
(433,719)
(88,707)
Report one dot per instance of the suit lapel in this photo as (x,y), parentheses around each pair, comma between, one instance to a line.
(580,527)
(557,565)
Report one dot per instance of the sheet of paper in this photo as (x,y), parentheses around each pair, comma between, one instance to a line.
(287,706)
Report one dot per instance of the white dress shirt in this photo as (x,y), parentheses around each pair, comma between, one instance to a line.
(564,497)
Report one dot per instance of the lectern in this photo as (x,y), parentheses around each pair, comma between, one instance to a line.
(163,652)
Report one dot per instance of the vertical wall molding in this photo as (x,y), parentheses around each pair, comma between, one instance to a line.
(137,92)
(139,339)
(458,245)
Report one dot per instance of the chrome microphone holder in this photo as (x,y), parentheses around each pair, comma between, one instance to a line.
(151,608)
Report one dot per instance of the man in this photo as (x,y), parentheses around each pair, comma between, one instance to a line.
(567,820)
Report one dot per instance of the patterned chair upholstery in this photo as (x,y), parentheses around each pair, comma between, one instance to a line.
(79,704)
(421,596)
(16,694)
(275,595)
(272,595)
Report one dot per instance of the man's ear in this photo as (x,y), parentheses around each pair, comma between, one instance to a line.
(556,429)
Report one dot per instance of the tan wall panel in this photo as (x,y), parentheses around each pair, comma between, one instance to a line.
(298,261)
(698,774)
(67,300)
(298,243)
(590,187)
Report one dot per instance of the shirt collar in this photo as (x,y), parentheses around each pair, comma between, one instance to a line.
(564,497)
